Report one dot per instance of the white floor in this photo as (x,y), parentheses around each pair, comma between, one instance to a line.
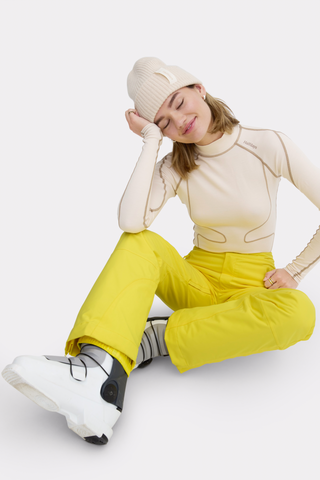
(252,417)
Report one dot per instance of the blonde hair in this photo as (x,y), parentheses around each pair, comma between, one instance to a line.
(184,154)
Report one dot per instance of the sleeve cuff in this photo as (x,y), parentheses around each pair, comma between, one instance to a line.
(293,274)
(151,130)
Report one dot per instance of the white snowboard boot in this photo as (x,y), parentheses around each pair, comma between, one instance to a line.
(87,389)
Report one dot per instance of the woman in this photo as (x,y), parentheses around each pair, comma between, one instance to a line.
(227,296)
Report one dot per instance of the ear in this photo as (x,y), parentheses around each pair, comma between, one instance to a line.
(200,88)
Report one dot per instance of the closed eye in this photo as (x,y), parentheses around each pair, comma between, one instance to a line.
(177,109)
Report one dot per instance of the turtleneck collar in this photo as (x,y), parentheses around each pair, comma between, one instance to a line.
(221,145)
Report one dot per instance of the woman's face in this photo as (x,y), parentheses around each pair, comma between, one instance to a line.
(185,117)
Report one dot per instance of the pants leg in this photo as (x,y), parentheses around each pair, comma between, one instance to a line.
(256,322)
(247,319)
(117,307)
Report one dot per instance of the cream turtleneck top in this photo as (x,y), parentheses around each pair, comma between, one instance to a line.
(231,197)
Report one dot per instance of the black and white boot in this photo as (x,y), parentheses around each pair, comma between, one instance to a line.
(152,343)
(87,389)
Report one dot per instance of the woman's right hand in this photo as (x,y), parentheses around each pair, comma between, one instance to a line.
(135,122)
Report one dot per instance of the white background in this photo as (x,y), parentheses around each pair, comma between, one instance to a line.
(66,157)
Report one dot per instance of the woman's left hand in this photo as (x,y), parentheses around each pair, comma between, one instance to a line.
(280,278)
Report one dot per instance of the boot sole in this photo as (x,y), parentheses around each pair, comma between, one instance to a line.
(82,422)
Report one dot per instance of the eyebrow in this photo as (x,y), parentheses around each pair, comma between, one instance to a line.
(170,105)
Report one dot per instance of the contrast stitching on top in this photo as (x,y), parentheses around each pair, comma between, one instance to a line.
(250,241)
(309,242)
(225,151)
(146,207)
(297,274)
(214,241)
(189,200)
(245,148)
(264,172)
(287,158)
(305,268)
(125,191)
(262,130)
(218,154)
(262,238)
(258,129)
(165,188)
(178,185)
(283,145)
(314,261)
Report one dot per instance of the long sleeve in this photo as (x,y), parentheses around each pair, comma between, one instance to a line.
(149,188)
(304,175)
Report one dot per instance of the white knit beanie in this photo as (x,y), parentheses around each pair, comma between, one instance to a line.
(151,81)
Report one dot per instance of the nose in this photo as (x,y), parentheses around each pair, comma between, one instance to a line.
(179,119)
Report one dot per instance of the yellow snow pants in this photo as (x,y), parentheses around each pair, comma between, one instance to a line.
(221,307)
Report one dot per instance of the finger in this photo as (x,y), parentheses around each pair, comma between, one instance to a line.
(269,284)
(130,117)
(269,274)
(129,112)
(271,287)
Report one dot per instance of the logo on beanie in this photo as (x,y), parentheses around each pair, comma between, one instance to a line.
(169,76)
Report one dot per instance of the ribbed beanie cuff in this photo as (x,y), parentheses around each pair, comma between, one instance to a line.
(151,82)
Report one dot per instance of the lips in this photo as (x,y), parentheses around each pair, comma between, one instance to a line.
(190,126)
